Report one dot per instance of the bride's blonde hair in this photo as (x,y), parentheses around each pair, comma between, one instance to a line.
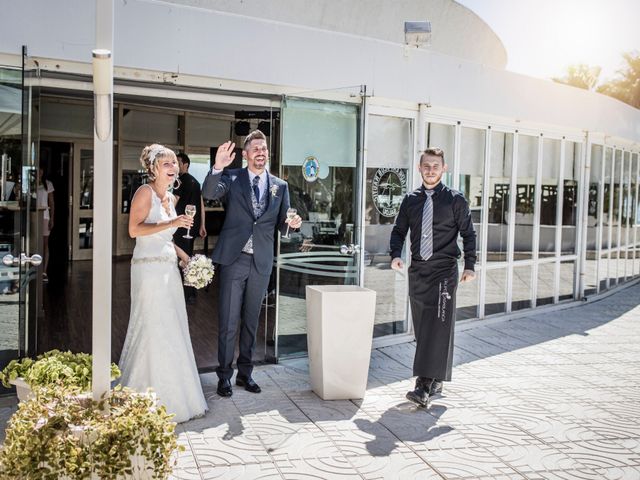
(149,160)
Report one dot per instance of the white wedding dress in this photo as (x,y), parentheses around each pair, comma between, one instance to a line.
(157,352)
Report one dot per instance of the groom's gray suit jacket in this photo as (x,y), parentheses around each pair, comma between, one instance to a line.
(234,188)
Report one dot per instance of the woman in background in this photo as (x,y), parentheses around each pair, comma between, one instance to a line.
(44,201)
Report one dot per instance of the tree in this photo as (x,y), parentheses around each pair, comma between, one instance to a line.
(626,86)
(581,76)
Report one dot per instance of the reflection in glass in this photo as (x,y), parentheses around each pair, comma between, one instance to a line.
(546,281)
(525,196)
(443,136)
(594,219)
(495,291)
(633,220)
(549,197)
(627,214)
(567,280)
(86,179)
(607,265)
(141,126)
(390,155)
(85,233)
(521,288)
(499,189)
(471,176)
(467,298)
(319,153)
(603,266)
(570,196)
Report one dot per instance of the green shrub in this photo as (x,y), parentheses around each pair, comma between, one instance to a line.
(54,368)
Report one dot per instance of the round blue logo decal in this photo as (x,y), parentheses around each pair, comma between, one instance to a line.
(310,169)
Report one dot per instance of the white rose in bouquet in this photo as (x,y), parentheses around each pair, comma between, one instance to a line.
(198,273)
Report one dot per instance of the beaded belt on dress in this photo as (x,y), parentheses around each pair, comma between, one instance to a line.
(162,259)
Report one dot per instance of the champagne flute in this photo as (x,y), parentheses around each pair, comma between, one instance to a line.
(291,212)
(189,210)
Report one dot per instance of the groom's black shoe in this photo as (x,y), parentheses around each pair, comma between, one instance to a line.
(248,384)
(224,388)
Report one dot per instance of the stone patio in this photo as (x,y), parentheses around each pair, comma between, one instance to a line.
(554,395)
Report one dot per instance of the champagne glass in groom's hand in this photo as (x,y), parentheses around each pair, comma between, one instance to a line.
(291,213)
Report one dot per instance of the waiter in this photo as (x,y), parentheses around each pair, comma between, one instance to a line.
(435,215)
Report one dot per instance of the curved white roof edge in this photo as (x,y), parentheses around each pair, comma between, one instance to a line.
(215,45)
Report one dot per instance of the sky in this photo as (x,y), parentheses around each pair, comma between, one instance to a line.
(543,37)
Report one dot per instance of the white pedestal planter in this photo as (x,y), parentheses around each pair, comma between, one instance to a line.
(339,336)
(23,390)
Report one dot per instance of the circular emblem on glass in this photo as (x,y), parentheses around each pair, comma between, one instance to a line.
(388,188)
(310,169)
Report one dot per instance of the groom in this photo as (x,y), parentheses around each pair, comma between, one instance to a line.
(256,206)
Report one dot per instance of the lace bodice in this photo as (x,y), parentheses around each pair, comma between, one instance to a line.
(158,244)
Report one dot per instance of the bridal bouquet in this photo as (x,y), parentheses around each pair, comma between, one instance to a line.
(198,273)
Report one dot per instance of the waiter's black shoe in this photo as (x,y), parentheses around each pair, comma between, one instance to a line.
(436,388)
(224,388)
(248,384)
(420,396)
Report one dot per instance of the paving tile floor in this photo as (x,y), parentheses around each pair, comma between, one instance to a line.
(553,395)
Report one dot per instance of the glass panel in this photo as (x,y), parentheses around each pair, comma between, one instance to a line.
(570,196)
(443,136)
(319,157)
(607,199)
(549,197)
(567,280)
(467,298)
(546,281)
(132,174)
(628,214)
(495,291)
(390,155)
(521,288)
(149,127)
(66,120)
(499,180)
(603,268)
(206,131)
(594,219)
(85,233)
(525,196)
(86,180)
(471,176)
(10,212)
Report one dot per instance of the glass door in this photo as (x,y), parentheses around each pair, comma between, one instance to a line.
(320,161)
(82,234)
(390,166)
(20,217)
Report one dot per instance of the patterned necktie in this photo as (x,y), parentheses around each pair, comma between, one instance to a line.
(256,190)
(426,242)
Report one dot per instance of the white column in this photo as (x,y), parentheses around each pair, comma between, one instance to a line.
(103,211)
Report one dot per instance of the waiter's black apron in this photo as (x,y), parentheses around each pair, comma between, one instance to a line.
(432,294)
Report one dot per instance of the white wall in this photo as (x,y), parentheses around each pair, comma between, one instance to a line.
(165,37)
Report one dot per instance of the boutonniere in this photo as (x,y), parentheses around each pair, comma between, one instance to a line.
(274,190)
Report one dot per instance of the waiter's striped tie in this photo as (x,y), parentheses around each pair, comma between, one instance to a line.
(426,241)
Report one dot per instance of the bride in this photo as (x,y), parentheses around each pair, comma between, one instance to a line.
(157,352)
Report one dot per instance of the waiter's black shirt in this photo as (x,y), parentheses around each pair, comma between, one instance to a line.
(450,216)
(189,194)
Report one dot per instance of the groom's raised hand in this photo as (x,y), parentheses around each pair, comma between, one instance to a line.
(224,156)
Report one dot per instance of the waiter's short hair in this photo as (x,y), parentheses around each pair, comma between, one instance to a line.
(433,152)
(184,158)
(255,135)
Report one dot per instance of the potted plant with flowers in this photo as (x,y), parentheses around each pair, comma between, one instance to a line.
(61,433)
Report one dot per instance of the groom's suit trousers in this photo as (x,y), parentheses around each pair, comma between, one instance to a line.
(242,289)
